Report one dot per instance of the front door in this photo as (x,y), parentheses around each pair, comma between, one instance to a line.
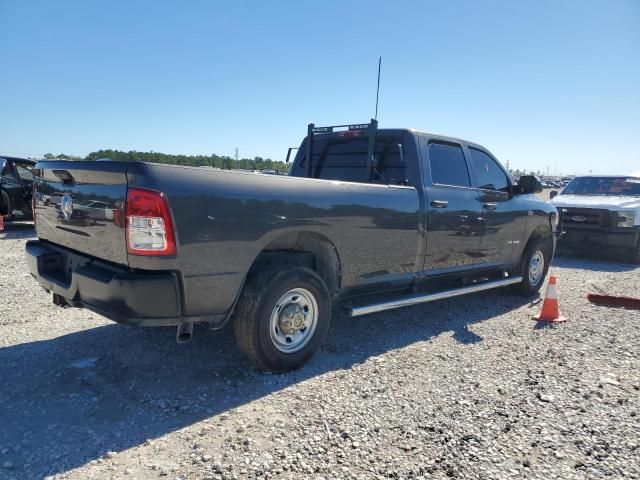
(505,215)
(454,214)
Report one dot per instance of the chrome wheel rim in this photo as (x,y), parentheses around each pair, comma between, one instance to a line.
(536,268)
(293,320)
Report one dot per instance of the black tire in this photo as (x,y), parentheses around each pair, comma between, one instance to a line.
(531,284)
(635,255)
(5,204)
(253,317)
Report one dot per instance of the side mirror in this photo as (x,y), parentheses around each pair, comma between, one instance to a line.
(553,194)
(529,184)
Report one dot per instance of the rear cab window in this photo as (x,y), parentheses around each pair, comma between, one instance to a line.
(344,157)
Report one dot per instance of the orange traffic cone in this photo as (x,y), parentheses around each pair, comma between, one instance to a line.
(550,311)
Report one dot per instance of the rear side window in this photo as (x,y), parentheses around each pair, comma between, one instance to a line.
(345,158)
(448,166)
(490,175)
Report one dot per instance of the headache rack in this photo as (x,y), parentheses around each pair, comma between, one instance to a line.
(370,128)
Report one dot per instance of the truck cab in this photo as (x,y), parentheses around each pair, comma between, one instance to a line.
(472,215)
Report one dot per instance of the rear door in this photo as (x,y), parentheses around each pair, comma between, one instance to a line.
(81,206)
(505,215)
(454,214)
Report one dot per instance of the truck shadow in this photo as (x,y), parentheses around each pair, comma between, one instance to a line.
(71,399)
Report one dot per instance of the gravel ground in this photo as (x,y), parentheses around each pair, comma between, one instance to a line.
(462,388)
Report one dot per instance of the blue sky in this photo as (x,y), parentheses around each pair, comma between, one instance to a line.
(540,83)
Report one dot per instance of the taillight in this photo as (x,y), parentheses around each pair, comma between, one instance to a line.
(149,227)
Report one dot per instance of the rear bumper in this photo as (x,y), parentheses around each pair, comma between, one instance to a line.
(586,239)
(133,298)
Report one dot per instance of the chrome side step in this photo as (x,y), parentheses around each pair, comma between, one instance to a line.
(430,297)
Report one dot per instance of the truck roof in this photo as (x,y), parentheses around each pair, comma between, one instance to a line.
(444,137)
(413,131)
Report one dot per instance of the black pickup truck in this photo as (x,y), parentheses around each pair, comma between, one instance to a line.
(368,219)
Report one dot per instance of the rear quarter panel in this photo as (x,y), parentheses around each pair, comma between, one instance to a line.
(224,219)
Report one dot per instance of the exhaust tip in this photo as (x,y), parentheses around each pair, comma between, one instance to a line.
(185,332)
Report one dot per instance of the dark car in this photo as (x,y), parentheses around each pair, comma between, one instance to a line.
(368,219)
(16,188)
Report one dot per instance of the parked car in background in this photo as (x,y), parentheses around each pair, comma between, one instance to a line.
(370,219)
(601,213)
(16,188)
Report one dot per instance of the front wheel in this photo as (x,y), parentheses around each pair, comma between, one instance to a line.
(534,267)
(282,317)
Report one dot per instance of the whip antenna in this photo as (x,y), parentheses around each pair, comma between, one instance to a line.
(378,89)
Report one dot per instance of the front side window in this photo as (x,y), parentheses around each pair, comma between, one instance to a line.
(448,166)
(489,174)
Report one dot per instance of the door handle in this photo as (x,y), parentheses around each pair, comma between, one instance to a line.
(490,206)
(439,203)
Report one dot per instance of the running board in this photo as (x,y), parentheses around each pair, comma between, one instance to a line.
(429,297)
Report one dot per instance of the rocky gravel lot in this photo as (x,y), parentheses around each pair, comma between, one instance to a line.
(463,388)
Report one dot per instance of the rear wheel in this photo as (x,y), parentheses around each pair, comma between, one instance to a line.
(5,203)
(282,317)
(534,267)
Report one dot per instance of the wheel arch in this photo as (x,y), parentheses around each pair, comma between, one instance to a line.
(310,249)
(540,232)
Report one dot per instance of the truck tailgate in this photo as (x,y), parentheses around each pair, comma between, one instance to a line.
(80,205)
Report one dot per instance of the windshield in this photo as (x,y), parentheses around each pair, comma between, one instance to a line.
(611,186)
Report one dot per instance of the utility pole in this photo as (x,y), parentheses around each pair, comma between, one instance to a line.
(236,154)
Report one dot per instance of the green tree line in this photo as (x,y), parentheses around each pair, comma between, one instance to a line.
(216,161)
